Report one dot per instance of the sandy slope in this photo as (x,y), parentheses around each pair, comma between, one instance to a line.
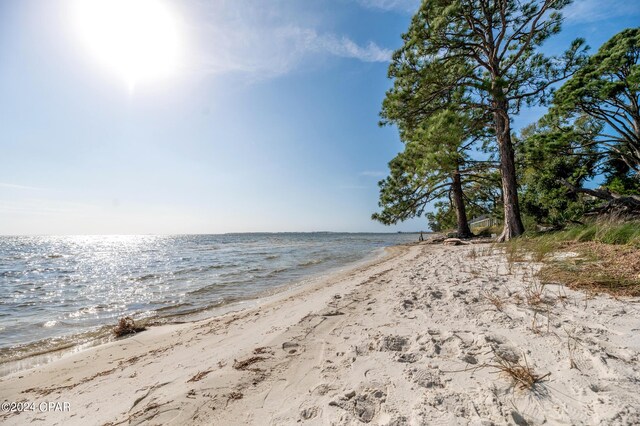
(401,341)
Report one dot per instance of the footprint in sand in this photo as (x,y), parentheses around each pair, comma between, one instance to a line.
(393,343)
(428,379)
(309,413)
(364,404)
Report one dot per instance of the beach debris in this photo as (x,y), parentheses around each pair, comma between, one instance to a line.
(234,396)
(262,350)
(436,239)
(455,242)
(201,375)
(331,313)
(127,325)
(245,364)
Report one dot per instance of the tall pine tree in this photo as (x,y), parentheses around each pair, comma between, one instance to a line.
(487,48)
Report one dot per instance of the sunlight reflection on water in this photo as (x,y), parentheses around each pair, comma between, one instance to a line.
(62,286)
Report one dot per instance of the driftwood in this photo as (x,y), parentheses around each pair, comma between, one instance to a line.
(617,204)
(455,242)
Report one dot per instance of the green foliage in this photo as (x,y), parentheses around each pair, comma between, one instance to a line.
(478,57)
(480,197)
(435,150)
(552,154)
(442,217)
(485,48)
(618,178)
(606,89)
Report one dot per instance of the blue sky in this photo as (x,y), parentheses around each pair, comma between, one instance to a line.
(268,123)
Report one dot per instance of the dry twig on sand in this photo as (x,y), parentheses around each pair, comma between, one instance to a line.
(245,364)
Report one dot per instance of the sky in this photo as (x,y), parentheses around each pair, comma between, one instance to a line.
(231,116)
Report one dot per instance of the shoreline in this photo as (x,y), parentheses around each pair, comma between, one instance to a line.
(398,340)
(78,342)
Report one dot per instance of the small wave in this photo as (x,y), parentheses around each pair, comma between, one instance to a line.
(275,272)
(146,277)
(312,262)
(50,323)
(201,269)
(172,307)
(214,288)
(42,351)
(90,310)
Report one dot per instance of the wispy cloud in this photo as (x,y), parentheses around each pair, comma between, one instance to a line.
(232,37)
(347,48)
(587,11)
(16,186)
(398,5)
(374,173)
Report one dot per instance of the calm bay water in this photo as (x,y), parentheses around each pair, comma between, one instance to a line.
(61,291)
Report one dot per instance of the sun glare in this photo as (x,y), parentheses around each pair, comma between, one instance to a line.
(138,39)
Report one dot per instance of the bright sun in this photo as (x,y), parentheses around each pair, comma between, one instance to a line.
(138,39)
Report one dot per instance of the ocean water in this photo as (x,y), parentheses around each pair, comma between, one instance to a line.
(61,292)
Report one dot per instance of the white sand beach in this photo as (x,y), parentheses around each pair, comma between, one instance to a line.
(410,339)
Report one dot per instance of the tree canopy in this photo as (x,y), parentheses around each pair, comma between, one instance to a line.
(484,52)
(607,89)
(435,164)
(553,155)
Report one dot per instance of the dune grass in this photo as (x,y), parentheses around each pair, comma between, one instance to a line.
(598,256)
(602,232)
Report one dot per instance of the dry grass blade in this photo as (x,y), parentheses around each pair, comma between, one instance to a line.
(201,375)
(472,254)
(496,300)
(535,294)
(522,375)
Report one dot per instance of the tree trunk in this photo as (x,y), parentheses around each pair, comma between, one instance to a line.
(512,222)
(461,212)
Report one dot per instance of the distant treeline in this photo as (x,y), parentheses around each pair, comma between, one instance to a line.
(465,69)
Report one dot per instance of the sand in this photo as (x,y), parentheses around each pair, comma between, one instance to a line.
(412,338)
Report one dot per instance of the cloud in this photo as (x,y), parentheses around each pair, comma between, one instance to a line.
(587,11)
(397,5)
(15,186)
(346,48)
(264,40)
